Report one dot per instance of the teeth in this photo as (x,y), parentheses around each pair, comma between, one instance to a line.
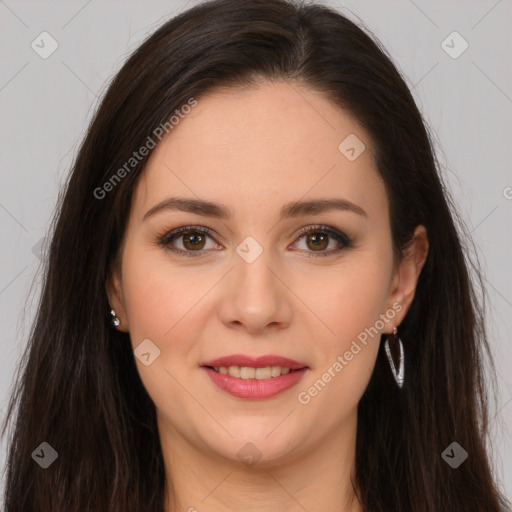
(234,371)
(246,372)
(276,371)
(263,373)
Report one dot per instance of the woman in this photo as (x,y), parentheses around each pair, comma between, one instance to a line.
(256,295)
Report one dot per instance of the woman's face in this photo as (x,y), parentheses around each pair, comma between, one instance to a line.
(255,285)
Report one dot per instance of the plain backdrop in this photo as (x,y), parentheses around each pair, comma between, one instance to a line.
(47,103)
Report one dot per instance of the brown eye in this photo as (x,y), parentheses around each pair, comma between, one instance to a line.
(189,241)
(194,240)
(322,240)
(317,241)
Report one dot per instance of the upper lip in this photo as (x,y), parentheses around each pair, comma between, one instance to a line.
(258,362)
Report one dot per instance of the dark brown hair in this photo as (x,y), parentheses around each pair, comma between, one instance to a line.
(78,387)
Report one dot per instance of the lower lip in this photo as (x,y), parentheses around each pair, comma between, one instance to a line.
(256,389)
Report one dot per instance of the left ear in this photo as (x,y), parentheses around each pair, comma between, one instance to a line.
(408,271)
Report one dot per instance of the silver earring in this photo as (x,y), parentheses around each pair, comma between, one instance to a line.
(398,375)
(115,320)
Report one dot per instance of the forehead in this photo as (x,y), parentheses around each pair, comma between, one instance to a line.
(272,142)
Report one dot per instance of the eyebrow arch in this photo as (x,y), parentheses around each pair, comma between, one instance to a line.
(221,211)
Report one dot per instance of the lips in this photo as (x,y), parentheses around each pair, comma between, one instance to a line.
(249,378)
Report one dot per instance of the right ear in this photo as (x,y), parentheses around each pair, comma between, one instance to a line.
(115,295)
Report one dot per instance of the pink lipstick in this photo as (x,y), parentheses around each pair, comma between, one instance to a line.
(254,378)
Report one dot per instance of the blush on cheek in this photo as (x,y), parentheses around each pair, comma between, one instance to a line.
(152,305)
(351,314)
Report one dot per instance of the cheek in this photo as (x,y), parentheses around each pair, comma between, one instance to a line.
(158,294)
(350,305)
(162,303)
(350,297)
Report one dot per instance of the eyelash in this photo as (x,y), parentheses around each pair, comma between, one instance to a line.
(165,239)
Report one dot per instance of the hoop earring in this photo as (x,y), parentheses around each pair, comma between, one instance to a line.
(115,320)
(398,375)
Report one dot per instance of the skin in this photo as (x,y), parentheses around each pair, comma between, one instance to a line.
(255,150)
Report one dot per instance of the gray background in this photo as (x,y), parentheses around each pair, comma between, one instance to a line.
(46,105)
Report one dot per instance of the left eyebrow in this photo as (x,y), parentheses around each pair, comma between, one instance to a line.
(298,208)
(221,211)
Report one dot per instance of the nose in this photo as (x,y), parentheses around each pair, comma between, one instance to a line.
(255,297)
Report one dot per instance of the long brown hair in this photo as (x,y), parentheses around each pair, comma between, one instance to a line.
(78,388)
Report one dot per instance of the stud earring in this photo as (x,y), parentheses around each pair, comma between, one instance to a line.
(398,375)
(115,320)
